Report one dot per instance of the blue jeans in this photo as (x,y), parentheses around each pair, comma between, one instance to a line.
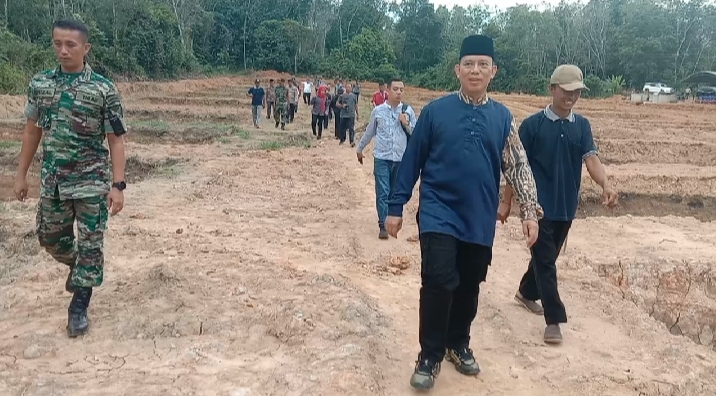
(385,173)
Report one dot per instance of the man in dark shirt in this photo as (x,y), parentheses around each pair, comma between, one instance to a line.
(257,95)
(556,141)
(459,145)
(348,104)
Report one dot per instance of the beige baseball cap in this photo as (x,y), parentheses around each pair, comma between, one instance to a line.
(569,77)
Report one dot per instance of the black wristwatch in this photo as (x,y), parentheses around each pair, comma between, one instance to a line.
(119,185)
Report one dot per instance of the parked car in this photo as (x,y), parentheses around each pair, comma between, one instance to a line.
(709,91)
(657,88)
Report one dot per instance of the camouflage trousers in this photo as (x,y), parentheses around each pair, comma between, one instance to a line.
(280,113)
(55,231)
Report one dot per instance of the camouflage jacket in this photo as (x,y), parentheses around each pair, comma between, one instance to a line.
(271,94)
(74,116)
(281,95)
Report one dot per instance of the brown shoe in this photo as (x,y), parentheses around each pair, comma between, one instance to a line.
(552,334)
(530,305)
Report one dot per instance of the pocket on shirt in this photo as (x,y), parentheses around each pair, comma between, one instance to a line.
(87,113)
(575,142)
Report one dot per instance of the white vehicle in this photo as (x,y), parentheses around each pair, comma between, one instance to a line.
(657,88)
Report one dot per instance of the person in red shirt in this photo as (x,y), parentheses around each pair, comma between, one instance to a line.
(379,97)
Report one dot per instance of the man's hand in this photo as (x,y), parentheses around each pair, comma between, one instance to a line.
(115,201)
(21,188)
(360,157)
(393,224)
(503,211)
(610,198)
(403,119)
(531,229)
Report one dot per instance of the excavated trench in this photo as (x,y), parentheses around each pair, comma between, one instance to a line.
(679,294)
(636,204)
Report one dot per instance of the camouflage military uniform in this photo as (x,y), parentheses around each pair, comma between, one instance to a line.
(281,112)
(73,111)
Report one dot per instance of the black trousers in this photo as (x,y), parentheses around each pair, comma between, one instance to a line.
(292,107)
(540,280)
(348,125)
(329,115)
(306,98)
(451,273)
(317,121)
(337,123)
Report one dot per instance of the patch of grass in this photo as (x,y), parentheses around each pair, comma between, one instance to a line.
(223,140)
(138,169)
(242,133)
(191,133)
(281,141)
(10,145)
(154,125)
(271,145)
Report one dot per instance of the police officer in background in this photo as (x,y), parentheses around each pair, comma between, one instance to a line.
(75,109)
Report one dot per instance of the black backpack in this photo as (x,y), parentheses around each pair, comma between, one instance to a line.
(407,133)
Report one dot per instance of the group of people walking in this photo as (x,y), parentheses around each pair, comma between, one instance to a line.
(332,101)
(458,147)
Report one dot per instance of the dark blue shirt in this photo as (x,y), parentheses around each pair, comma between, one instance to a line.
(456,149)
(556,148)
(258,96)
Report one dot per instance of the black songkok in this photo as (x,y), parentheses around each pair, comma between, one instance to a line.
(477,45)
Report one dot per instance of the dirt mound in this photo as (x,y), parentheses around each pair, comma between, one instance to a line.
(268,74)
(656,152)
(177,87)
(12,106)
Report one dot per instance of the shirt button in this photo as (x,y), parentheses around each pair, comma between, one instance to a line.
(473,120)
(472,133)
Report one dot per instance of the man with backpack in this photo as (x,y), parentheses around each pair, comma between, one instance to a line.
(391,123)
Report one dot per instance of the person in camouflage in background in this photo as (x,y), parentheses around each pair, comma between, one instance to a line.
(75,109)
(281,112)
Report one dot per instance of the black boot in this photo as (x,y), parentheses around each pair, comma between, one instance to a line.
(68,283)
(77,323)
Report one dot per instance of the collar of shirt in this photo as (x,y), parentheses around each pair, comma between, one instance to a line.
(554,117)
(465,98)
(393,109)
(84,77)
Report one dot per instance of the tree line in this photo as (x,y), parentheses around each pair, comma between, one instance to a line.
(618,43)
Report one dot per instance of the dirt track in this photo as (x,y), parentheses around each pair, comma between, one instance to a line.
(246,263)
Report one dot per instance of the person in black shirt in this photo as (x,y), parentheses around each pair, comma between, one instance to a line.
(557,141)
(258,101)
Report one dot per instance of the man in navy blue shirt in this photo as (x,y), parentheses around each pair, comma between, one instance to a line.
(258,102)
(458,147)
(557,141)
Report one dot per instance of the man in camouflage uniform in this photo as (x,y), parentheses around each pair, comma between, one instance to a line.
(75,109)
(281,112)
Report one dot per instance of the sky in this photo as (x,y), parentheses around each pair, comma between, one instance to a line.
(502,4)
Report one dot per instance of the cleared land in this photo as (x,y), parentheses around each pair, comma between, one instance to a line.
(246,263)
